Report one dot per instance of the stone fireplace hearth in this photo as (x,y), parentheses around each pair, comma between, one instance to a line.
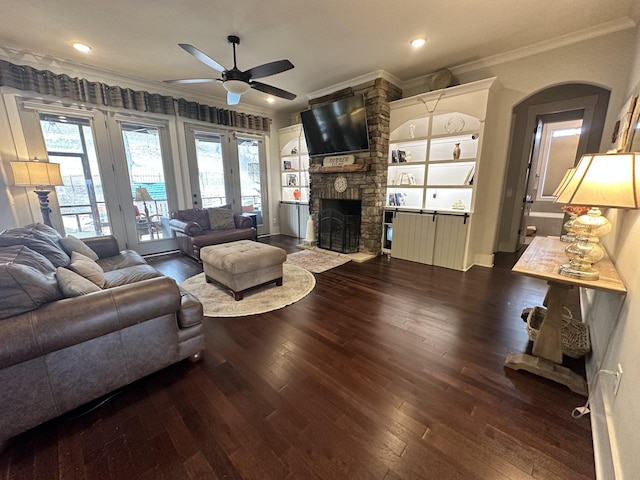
(367,177)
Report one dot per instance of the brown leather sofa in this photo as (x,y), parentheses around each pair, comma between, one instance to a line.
(193,231)
(58,350)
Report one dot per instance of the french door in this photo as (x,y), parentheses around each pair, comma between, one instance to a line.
(228,169)
(118,177)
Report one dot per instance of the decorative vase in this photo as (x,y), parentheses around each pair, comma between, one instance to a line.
(456,151)
(296,194)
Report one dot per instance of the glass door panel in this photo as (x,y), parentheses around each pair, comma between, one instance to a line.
(210,170)
(143,152)
(252,182)
(70,143)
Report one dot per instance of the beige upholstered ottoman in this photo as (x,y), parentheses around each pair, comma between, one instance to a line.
(243,265)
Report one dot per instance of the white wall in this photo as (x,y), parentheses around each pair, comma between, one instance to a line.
(623,346)
(604,61)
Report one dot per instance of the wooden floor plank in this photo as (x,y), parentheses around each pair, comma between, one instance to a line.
(387,370)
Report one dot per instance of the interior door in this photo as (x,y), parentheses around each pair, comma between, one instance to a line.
(529,195)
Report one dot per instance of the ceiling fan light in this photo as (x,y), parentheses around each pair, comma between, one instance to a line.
(236,86)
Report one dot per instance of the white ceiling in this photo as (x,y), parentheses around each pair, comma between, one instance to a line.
(328,41)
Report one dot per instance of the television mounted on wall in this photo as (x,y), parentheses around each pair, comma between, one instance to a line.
(336,128)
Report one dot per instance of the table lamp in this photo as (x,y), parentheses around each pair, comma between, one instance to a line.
(142,195)
(599,180)
(39,175)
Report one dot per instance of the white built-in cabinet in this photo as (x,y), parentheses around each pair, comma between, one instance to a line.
(294,173)
(435,150)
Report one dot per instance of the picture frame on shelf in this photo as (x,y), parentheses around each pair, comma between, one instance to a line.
(292,180)
(287,165)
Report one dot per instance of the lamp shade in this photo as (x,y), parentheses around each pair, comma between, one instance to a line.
(142,195)
(36,174)
(605,180)
(563,183)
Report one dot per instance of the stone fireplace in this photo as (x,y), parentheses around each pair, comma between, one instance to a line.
(367,177)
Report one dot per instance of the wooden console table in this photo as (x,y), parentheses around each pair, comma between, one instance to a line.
(542,259)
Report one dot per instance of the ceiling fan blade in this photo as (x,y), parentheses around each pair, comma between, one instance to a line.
(203,57)
(270,68)
(193,80)
(233,98)
(271,90)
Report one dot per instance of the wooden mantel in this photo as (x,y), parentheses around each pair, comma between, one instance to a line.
(355,167)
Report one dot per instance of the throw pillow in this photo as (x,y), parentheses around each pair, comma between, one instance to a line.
(86,267)
(25,288)
(221,218)
(72,244)
(73,285)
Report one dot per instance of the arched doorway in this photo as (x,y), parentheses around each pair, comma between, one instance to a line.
(587,103)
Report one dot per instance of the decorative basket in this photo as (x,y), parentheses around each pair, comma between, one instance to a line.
(575,334)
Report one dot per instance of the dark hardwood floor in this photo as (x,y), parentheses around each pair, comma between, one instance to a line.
(387,370)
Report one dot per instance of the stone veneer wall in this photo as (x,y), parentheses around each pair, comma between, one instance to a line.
(367,186)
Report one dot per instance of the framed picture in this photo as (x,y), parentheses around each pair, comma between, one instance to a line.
(287,165)
(292,179)
(620,136)
(633,138)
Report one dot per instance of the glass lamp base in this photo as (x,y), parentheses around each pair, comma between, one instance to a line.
(580,272)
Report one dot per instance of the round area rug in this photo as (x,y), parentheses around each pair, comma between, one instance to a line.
(297,283)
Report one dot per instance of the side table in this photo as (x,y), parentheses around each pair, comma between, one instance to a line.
(542,259)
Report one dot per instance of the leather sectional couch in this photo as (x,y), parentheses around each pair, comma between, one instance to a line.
(65,340)
(193,230)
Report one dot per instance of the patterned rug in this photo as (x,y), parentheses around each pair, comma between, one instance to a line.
(297,283)
(316,261)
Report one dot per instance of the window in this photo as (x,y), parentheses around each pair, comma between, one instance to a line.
(70,143)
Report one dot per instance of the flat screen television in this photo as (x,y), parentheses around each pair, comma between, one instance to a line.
(336,128)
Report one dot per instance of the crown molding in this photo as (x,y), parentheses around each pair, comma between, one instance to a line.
(603,29)
(367,77)
(589,33)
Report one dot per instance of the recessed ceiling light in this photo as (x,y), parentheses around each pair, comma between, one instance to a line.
(418,42)
(81,47)
(271,99)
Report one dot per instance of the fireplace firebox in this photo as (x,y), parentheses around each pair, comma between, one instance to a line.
(339,225)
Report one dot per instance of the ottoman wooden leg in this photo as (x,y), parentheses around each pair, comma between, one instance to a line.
(279,282)
(238,296)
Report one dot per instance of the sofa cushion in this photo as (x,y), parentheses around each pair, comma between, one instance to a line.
(223,236)
(23,255)
(126,258)
(39,240)
(127,275)
(72,244)
(87,268)
(221,218)
(49,232)
(24,288)
(73,285)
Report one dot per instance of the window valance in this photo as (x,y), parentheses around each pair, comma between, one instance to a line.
(45,82)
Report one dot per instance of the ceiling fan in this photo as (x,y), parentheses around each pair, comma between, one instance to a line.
(235,81)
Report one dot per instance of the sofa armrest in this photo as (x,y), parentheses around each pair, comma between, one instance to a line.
(72,321)
(242,222)
(105,246)
(188,228)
